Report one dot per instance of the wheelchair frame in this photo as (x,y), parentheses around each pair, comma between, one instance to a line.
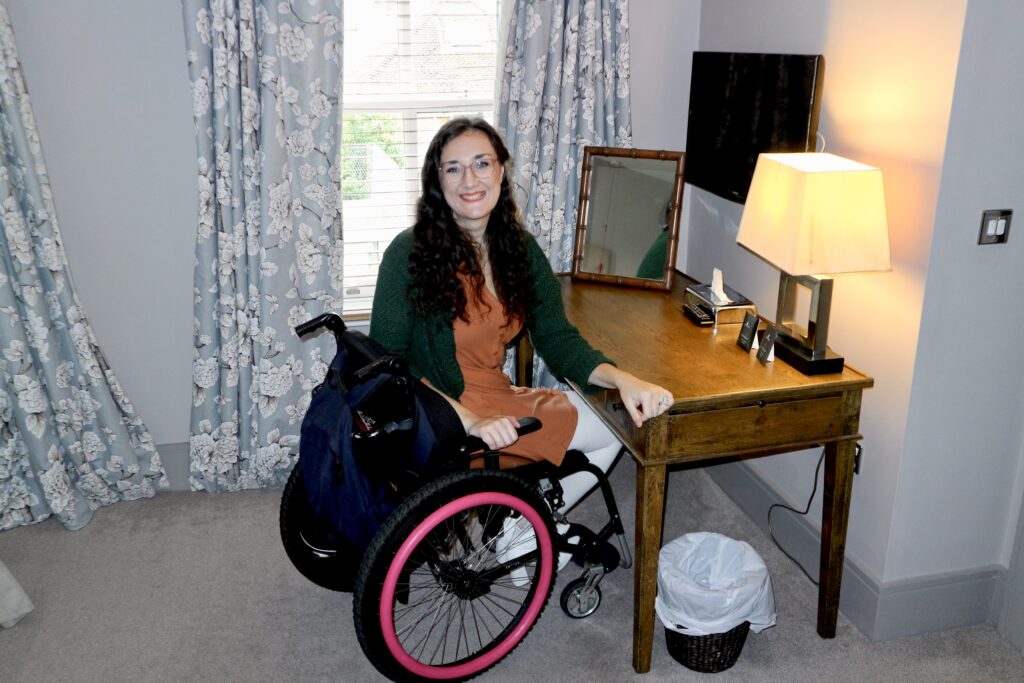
(447,535)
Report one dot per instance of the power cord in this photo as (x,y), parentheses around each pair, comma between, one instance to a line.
(771,508)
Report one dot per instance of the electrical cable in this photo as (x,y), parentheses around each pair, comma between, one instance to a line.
(772,507)
(817,136)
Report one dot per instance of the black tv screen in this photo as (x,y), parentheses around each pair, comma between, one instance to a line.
(742,104)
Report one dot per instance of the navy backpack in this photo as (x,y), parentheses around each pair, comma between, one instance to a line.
(371,435)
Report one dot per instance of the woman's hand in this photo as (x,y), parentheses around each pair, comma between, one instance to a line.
(497,432)
(642,400)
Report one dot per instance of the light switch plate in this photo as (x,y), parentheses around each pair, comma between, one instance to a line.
(995,226)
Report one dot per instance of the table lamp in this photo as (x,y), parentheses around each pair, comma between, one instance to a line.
(814,215)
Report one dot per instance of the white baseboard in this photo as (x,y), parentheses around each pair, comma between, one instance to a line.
(881,611)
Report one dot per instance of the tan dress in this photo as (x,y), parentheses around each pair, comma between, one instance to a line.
(480,351)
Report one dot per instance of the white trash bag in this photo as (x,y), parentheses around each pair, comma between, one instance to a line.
(710,583)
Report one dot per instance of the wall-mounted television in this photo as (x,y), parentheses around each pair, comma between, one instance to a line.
(742,104)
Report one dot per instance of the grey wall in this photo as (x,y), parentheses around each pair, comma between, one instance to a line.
(662,37)
(109,86)
(964,429)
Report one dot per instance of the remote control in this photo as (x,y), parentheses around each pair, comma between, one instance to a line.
(697,314)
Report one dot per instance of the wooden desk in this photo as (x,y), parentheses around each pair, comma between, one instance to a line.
(727,406)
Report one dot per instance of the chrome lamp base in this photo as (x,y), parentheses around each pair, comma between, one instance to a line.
(809,354)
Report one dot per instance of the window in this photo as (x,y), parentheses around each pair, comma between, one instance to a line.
(410,65)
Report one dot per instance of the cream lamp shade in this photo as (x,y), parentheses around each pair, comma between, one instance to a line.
(816,214)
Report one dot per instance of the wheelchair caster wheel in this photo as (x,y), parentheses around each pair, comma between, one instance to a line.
(580,600)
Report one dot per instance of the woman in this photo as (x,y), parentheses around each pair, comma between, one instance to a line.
(458,286)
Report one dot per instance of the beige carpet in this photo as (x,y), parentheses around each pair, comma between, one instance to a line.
(196,587)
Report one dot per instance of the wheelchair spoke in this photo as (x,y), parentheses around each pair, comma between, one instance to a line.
(490,599)
(493,616)
(498,596)
(421,646)
(494,517)
(433,614)
(476,622)
(481,551)
(444,637)
(430,597)
(433,590)
(511,584)
(464,637)
(437,545)
(463,611)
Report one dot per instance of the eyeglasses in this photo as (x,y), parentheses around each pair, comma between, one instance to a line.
(484,168)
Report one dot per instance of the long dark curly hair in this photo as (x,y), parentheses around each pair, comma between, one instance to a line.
(441,249)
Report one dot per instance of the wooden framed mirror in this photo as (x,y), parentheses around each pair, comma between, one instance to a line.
(627,226)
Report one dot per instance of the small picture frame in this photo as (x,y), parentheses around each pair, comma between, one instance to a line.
(748,332)
(764,353)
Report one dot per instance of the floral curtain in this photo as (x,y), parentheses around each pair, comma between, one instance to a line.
(564,85)
(70,440)
(266,86)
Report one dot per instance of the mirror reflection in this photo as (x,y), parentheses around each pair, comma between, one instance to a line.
(628,222)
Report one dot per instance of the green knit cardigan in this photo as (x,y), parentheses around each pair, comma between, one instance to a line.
(428,344)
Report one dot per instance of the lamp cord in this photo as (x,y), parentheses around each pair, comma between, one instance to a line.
(772,507)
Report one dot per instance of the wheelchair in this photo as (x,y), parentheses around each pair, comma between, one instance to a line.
(461,569)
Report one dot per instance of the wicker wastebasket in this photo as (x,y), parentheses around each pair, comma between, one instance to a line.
(708,654)
(712,591)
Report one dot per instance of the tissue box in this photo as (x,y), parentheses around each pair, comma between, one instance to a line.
(722,314)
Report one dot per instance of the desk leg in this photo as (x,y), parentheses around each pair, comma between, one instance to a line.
(839,460)
(650,515)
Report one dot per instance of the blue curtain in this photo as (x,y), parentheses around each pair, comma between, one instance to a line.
(266,90)
(70,440)
(564,85)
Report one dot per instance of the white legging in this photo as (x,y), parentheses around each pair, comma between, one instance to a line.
(597,442)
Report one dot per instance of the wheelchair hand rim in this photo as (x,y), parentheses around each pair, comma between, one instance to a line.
(545,570)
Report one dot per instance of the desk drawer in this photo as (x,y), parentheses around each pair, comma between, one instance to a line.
(754,427)
(613,411)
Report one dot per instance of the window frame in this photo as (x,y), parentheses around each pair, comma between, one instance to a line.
(409,109)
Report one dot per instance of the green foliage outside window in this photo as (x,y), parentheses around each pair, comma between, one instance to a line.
(360,134)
